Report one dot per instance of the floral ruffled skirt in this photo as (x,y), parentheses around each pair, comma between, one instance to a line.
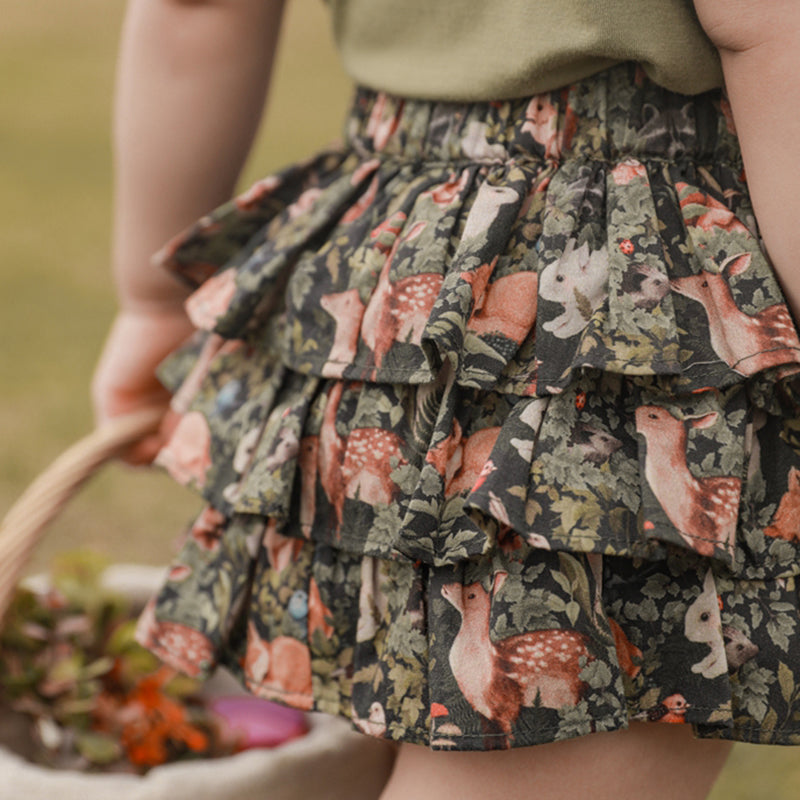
(494,412)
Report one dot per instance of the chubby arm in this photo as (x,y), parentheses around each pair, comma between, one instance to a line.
(191,84)
(759,41)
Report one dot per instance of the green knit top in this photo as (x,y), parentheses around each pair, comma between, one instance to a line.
(500,49)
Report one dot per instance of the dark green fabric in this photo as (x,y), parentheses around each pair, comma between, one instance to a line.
(496,408)
(478,50)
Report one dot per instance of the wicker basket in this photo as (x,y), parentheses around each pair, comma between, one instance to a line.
(24,524)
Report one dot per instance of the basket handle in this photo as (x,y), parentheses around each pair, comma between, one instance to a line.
(23,525)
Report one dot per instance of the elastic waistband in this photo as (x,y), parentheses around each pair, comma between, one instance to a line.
(616,114)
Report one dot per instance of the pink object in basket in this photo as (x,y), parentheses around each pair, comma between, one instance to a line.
(259,723)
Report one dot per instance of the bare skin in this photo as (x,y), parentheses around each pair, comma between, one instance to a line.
(758,43)
(649,760)
(192,79)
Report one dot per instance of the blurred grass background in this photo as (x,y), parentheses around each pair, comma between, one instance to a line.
(56,76)
(56,80)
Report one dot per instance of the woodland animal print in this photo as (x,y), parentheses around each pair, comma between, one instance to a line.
(494,410)
(786,522)
(498,678)
(645,285)
(577,281)
(703,624)
(738,648)
(746,343)
(703,510)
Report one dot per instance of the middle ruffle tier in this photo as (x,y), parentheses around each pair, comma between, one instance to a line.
(439,472)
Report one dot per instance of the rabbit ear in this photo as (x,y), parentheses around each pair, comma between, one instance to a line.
(649,112)
(568,249)
(709,584)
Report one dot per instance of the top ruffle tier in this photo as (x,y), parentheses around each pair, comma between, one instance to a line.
(524,242)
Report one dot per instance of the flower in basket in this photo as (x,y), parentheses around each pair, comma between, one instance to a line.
(91,697)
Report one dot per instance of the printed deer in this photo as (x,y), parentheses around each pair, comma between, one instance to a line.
(398,311)
(498,679)
(704,510)
(359,465)
(746,343)
(347,311)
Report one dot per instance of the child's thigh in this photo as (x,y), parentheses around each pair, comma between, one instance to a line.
(656,761)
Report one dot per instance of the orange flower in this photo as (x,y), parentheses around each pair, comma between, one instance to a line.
(154,722)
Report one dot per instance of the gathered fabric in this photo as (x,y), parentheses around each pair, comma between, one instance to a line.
(494,408)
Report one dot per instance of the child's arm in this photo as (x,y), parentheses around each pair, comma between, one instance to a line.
(190,90)
(759,41)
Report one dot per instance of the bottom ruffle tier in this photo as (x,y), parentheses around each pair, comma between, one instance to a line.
(522,647)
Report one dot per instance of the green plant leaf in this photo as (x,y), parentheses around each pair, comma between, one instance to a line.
(98,748)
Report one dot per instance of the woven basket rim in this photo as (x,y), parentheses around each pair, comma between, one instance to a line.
(26,521)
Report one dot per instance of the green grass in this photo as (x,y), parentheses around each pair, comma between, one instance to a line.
(56,73)
(56,80)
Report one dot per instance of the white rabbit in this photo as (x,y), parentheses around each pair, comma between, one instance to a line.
(486,208)
(579,281)
(703,624)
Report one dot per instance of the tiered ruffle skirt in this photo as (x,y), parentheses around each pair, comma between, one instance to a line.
(494,411)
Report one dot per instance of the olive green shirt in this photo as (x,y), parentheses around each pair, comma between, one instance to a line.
(499,49)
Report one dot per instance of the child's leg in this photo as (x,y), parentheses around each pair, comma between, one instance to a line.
(656,761)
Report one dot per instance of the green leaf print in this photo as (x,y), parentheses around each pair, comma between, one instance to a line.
(573,611)
(532,510)
(574,721)
(786,682)
(770,720)
(577,582)
(753,690)
(780,628)
(597,674)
